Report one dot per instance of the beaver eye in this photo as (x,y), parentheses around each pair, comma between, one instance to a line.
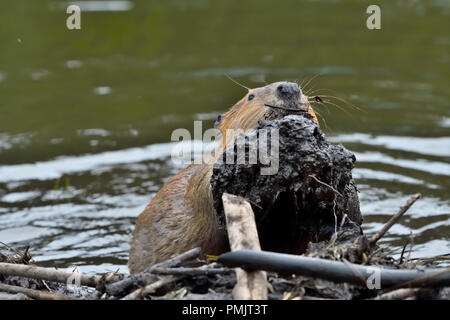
(250,97)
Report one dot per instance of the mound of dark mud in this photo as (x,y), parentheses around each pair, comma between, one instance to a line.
(306,198)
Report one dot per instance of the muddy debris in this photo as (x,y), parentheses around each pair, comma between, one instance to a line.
(189,285)
(309,195)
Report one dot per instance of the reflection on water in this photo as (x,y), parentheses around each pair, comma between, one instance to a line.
(86,116)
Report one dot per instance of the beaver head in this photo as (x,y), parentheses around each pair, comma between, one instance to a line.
(270,102)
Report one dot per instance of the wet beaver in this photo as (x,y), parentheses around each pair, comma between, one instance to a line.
(181,216)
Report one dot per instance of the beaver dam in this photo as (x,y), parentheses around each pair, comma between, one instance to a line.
(295,234)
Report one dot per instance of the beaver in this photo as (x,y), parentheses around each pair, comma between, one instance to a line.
(181,216)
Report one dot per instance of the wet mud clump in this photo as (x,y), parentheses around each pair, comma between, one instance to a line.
(307,199)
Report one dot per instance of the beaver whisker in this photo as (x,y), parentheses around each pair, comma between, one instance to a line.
(337,106)
(252,120)
(312,78)
(286,109)
(319,100)
(313,92)
(344,101)
(321,89)
(248,118)
(235,81)
(322,117)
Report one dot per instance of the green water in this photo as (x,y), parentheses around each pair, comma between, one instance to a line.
(86,115)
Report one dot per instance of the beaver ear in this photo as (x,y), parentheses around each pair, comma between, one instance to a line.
(218,121)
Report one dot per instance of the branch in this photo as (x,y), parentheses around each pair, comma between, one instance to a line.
(35,294)
(242,234)
(145,277)
(30,271)
(191,271)
(149,289)
(395,218)
(333,270)
(399,294)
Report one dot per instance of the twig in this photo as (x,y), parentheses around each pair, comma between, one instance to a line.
(355,272)
(150,288)
(326,184)
(29,271)
(178,259)
(35,294)
(22,257)
(11,248)
(101,286)
(13,296)
(438,257)
(403,251)
(411,240)
(191,271)
(395,218)
(145,277)
(373,254)
(174,274)
(242,234)
(423,281)
(397,294)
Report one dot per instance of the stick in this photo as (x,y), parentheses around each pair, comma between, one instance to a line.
(397,294)
(179,259)
(174,275)
(13,296)
(335,271)
(149,289)
(29,271)
(242,234)
(35,294)
(145,277)
(326,184)
(419,282)
(438,257)
(191,271)
(395,218)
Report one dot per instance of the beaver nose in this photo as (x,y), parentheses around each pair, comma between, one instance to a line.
(288,90)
